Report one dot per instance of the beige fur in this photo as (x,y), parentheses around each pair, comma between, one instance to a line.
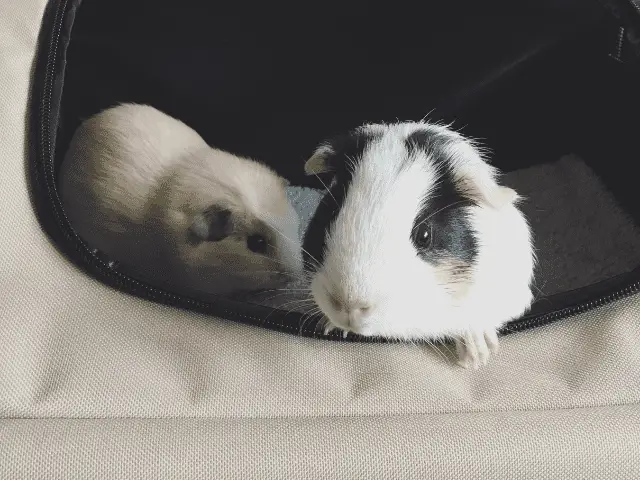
(134,179)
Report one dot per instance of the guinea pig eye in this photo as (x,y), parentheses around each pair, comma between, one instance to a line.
(423,234)
(257,243)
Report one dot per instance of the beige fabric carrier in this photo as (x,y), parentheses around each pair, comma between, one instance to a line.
(97,384)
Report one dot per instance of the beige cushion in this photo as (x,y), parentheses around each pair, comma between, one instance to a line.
(97,384)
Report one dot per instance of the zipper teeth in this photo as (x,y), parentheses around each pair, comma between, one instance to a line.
(48,82)
(548,318)
(149,292)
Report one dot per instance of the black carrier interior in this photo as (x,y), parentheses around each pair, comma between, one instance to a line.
(533,81)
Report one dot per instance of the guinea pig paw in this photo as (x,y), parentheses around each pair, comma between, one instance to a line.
(475,348)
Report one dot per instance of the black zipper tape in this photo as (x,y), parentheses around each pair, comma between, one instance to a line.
(44,117)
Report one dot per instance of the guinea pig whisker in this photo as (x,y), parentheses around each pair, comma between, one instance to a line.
(327,189)
(308,263)
(435,347)
(318,319)
(309,266)
(291,289)
(285,291)
(302,248)
(301,276)
(316,264)
(306,318)
(280,295)
(279,308)
(272,271)
(438,211)
(298,310)
(539,290)
(424,119)
(303,302)
(448,349)
(265,319)
(311,311)
(351,163)
(272,297)
(279,262)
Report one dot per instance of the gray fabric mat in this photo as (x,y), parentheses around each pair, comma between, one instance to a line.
(581,235)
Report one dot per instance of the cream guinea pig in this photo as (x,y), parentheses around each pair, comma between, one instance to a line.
(148,191)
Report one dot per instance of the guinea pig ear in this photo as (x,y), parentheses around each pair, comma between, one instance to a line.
(481,179)
(211,225)
(490,192)
(501,196)
(319,161)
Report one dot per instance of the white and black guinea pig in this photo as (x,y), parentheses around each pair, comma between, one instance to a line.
(416,239)
(148,191)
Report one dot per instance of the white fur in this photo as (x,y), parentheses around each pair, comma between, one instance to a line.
(370,261)
(134,178)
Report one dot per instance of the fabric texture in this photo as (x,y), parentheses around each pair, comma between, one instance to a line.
(572,215)
(95,384)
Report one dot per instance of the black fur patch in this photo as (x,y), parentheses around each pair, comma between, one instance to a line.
(211,225)
(450,230)
(428,141)
(347,152)
(452,236)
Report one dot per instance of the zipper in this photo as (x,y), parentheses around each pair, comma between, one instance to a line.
(106,271)
(545,319)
